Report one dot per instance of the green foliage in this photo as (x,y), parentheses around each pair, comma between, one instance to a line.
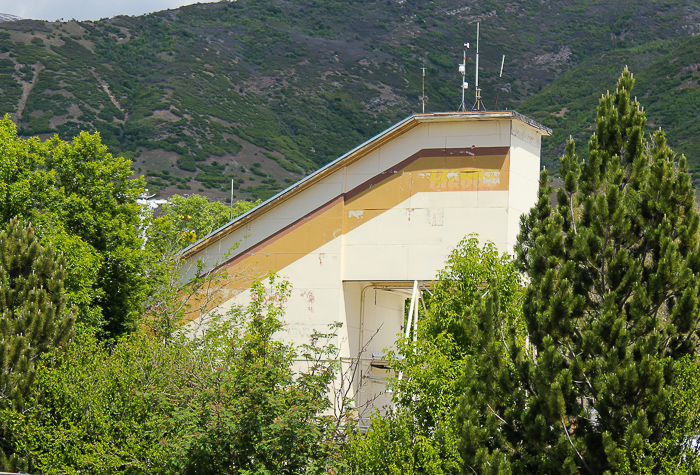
(421,435)
(187,163)
(93,411)
(183,220)
(290,167)
(196,214)
(34,320)
(186,219)
(82,263)
(470,273)
(228,400)
(81,200)
(212,176)
(392,446)
(676,453)
(253,414)
(611,308)
(198,79)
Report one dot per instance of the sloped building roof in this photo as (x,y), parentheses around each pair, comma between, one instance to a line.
(350,157)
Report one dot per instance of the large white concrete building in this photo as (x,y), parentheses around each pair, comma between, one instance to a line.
(353,237)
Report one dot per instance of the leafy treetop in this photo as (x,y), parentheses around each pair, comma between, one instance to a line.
(82,200)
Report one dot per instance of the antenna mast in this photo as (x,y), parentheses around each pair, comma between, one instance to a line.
(498,89)
(231,202)
(465,84)
(478,105)
(423,96)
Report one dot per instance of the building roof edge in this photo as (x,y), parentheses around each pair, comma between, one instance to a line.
(347,158)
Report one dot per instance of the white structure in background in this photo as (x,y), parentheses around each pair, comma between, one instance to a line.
(361,235)
(146,200)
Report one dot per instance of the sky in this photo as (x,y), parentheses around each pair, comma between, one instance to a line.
(52,10)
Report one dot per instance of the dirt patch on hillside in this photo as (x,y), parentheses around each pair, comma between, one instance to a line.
(105,88)
(554,59)
(250,154)
(57,120)
(225,122)
(75,111)
(165,115)
(387,98)
(157,160)
(73,28)
(26,89)
(62,92)
(88,45)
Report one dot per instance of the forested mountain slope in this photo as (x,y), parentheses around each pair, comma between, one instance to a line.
(263,92)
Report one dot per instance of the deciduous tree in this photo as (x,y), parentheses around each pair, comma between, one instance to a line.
(232,399)
(420,436)
(182,221)
(82,200)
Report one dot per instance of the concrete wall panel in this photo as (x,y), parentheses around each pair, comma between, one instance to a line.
(446,199)
(462,129)
(491,224)
(393,215)
(397,150)
(375,262)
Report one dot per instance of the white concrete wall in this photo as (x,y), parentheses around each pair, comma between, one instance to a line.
(405,235)
(524,176)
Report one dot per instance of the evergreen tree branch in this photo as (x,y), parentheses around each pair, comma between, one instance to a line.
(580,456)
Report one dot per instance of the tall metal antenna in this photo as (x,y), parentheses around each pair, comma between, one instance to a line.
(477,102)
(231,207)
(498,89)
(423,96)
(465,84)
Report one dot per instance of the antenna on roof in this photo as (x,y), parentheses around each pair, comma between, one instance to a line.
(423,96)
(478,105)
(498,89)
(231,213)
(465,84)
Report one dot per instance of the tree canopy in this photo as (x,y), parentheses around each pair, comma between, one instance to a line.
(611,307)
(230,400)
(82,201)
(421,434)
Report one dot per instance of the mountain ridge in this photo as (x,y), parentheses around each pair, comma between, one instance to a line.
(265,92)
(8,17)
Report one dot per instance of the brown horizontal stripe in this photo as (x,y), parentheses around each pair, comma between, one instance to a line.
(281,233)
(266,256)
(476,151)
(426,152)
(386,174)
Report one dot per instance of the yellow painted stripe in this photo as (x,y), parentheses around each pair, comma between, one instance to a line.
(428,171)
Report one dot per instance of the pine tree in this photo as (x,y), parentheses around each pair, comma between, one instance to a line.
(611,307)
(33,320)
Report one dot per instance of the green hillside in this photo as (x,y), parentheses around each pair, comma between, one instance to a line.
(667,78)
(263,92)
